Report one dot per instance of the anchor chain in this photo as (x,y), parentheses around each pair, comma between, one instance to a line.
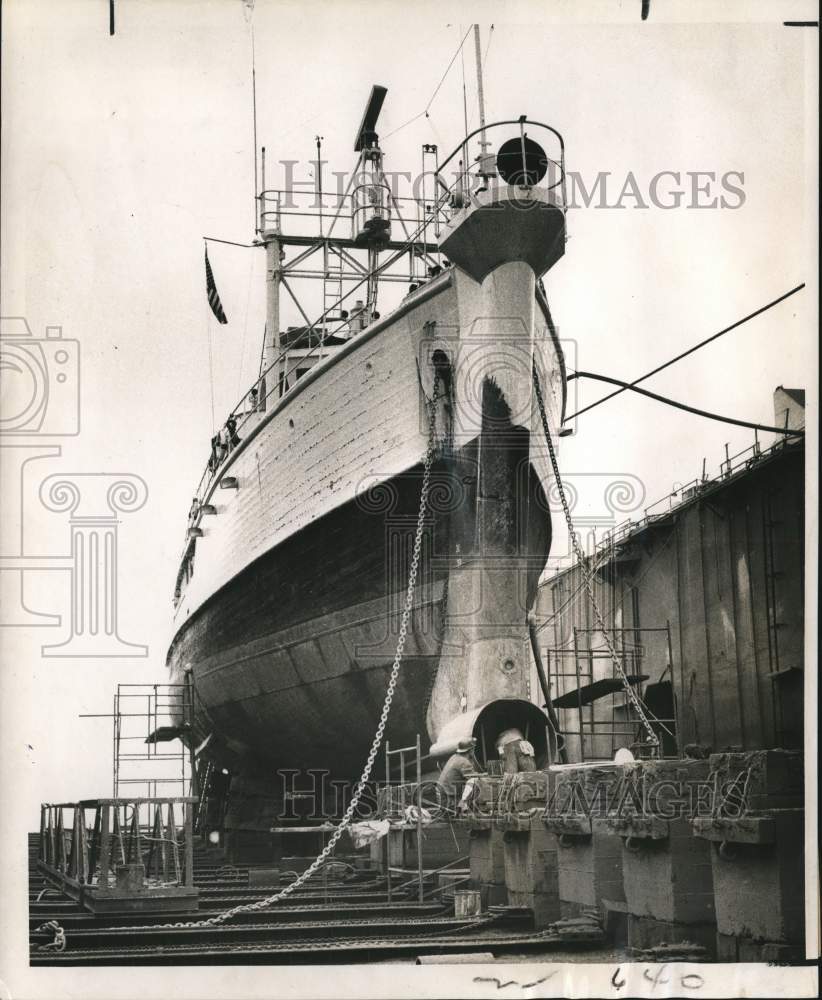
(653,739)
(317,863)
(59,942)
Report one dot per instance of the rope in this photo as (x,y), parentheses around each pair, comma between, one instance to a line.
(318,862)
(684,406)
(488,46)
(691,350)
(43,892)
(586,576)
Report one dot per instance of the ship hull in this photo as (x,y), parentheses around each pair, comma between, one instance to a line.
(289,620)
(291,659)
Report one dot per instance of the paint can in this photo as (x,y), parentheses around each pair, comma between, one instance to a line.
(467,903)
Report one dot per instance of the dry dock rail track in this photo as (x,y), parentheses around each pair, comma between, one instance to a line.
(336,919)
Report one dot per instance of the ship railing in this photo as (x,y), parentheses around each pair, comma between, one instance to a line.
(277,206)
(269,213)
(271,385)
(461,179)
(312,215)
(370,203)
(101,849)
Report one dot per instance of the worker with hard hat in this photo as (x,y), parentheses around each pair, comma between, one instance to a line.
(516,752)
(457,779)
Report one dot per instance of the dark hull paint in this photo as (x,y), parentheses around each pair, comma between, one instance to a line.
(291,658)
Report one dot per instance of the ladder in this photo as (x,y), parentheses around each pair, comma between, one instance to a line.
(428,216)
(332,285)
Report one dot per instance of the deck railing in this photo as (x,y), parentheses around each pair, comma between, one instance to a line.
(461,178)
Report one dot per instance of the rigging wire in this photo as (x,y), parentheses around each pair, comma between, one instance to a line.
(210,369)
(245,326)
(577,594)
(691,350)
(488,46)
(262,354)
(427,107)
(254,114)
(683,406)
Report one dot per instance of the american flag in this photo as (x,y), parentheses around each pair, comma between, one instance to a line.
(213,297)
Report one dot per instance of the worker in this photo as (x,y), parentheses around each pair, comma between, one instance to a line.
(228,435)
(217,453)
(194,510)
(360,316)
(516,752)
(457,778)
(231,427)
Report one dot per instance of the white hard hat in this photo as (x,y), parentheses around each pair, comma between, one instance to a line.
(507,736)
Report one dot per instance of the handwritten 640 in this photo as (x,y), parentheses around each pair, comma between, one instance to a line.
(655,975)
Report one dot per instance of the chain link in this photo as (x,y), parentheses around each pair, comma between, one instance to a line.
(59,942)
(315,944)
(586,576)
(316,864)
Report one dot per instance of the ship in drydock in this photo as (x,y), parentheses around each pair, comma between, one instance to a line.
(293,579)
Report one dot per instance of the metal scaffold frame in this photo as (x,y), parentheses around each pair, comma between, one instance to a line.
(592,729)
(150,715)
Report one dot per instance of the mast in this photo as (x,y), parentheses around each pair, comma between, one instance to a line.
(480,95)
(270,233)
(272,299)
(486,169)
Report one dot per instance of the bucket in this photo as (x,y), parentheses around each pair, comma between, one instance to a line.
(467,903)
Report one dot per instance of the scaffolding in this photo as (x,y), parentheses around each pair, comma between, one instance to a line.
(152,727)
(159,719)
(602,726)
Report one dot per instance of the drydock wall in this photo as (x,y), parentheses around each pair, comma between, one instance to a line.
(725,569)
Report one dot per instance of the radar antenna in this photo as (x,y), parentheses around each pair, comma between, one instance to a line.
(366,134)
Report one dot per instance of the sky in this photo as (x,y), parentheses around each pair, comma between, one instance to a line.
(120,153)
